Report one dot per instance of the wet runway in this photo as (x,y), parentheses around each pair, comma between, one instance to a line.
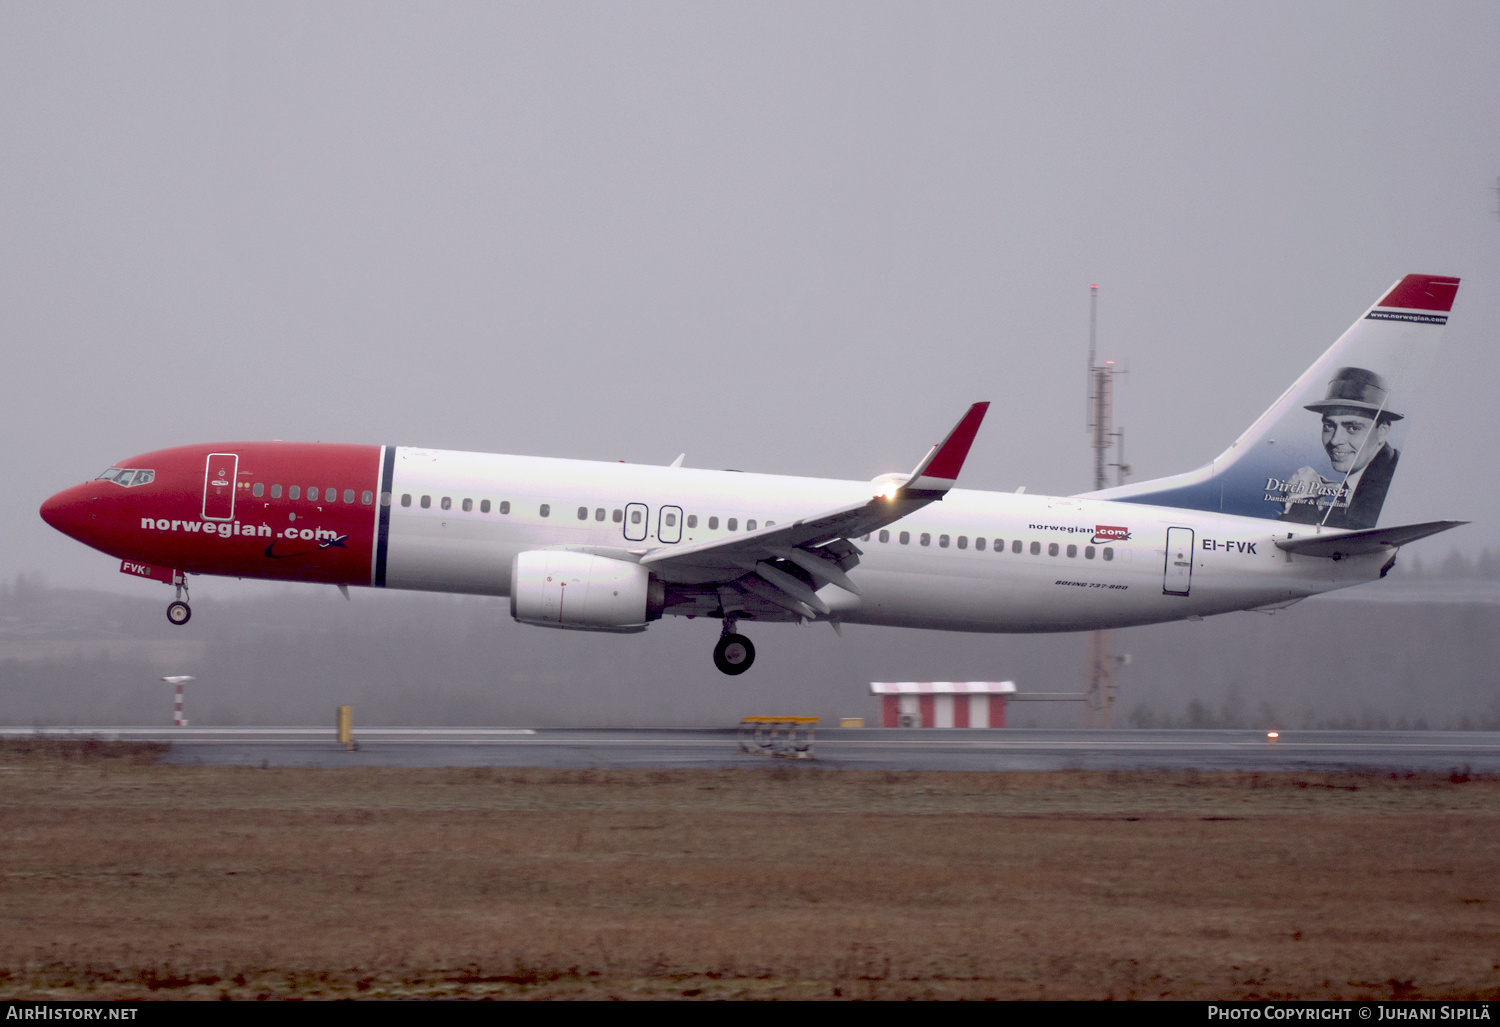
(833,749)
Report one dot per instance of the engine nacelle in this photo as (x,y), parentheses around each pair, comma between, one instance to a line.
(557,588)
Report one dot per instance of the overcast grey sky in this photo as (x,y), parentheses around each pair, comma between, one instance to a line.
(788,237)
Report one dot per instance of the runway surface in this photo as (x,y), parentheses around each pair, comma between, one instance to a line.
(833,749)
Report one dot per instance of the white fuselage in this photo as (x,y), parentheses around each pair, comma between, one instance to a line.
(1083,563)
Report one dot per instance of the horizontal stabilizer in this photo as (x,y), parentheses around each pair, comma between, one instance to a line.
(1358,543)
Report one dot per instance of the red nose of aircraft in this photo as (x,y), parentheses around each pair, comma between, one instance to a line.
(74,511)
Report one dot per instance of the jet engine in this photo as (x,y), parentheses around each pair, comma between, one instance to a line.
(559,588)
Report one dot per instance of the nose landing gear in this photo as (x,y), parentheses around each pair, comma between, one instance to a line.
(178,611)
(735,653)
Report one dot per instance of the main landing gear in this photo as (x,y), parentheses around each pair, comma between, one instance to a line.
(735,653)
(179,612)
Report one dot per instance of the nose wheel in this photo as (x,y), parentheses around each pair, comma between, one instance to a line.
(178,611)
(735,653)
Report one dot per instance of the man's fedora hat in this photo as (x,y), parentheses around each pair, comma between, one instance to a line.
(1354,388)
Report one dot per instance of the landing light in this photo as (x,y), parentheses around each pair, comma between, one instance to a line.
(1273,735)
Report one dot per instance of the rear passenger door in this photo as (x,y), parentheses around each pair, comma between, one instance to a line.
(1177,577)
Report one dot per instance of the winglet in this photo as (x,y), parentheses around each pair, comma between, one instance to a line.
(938,471)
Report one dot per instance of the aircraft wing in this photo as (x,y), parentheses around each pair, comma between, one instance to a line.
(785,564)
(1369,540)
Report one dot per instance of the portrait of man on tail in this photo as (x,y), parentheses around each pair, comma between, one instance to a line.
(1356,421)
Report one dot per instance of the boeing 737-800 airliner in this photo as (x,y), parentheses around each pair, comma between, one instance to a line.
(1288,511)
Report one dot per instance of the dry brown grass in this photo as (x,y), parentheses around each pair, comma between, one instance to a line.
(122,878)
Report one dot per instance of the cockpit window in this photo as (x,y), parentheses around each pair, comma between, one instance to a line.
(127,476)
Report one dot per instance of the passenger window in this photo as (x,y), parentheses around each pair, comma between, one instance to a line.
(484,506)
(671,520)
(734,524)
(447,503)
(617,516)
(366,497)
(257,490)
(468,505)
(750,525)
(505,506)
(331,495)
(583,513)
(904,538)
(926,538)
(635,517)
(1088,552)
(385,499)
(1072,552)
(348,495)
(1036,548)
(275,491)
(884,536)
(1109,554)
(426,502)
(963,542)
(692,521)
(599,514)
(295,492)
(942,541)
(772,524)
(978,544)
(1052,549)
(1015,547)
(406,499)
(713,524)
(864,538)
(312,494)
(546,509)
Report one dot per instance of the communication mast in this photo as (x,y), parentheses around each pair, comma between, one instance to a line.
(1099,707)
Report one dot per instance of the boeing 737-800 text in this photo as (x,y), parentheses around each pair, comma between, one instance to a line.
(1288,511)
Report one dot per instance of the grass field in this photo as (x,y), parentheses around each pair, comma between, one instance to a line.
(123,878)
